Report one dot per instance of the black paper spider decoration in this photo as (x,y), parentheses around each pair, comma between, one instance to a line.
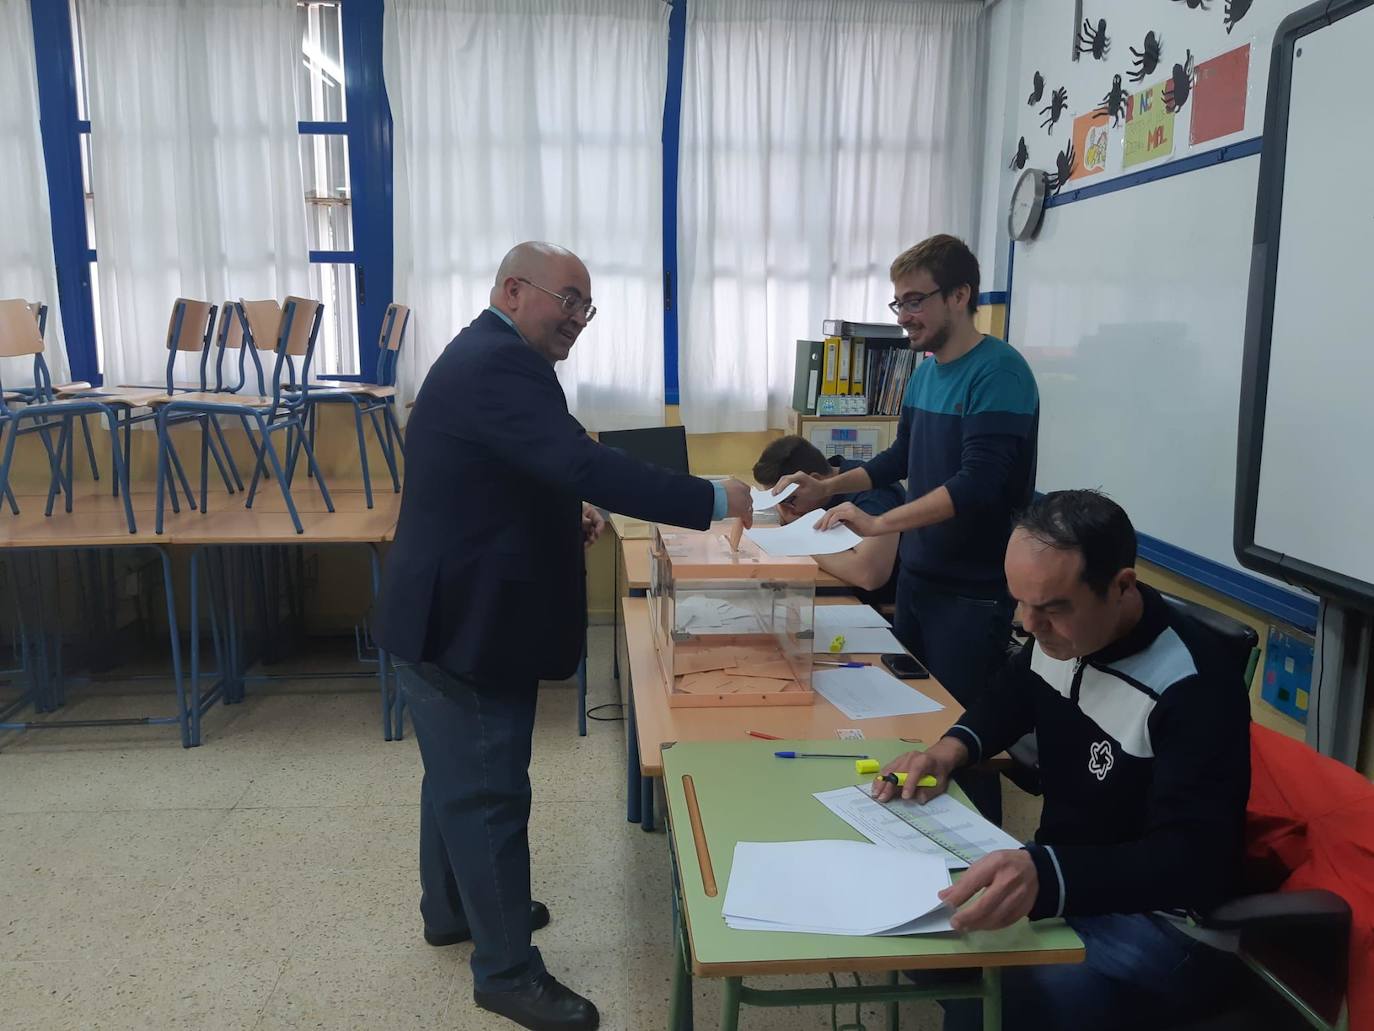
(1059,100)
(1022,155)
(1063,169)
(1037,89)
(1180,85)
(1235,11)
(1146,59)
(1094,41)
(1114,103)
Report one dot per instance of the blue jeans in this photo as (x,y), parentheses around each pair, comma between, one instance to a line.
(1139,972)
(475,739)
(963,642)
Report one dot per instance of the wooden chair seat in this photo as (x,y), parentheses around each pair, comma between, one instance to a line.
(132,397)
(357,390)
(210,397)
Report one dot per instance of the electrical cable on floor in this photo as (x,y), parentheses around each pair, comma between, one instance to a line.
(592,712)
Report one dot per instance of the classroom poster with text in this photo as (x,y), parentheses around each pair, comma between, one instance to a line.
(1149,127)
(1219,96)
(1090,144)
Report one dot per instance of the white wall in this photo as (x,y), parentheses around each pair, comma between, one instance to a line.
(1029,35)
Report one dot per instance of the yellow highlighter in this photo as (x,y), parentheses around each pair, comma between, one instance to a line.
(863,766)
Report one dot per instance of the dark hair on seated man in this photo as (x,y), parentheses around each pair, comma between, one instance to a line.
(790,455)
(1086,521)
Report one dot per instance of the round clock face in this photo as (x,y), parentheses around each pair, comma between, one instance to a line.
(1027,204)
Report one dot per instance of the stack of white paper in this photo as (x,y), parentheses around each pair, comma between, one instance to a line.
(843,617)
(801,537)
(869,693)
(835,887)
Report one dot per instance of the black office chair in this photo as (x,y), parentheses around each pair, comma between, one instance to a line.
(660,445)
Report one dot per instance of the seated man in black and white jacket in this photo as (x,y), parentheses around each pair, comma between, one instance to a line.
(1144,756)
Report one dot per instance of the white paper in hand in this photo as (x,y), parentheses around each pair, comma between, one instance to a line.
(765,499)
(802,538)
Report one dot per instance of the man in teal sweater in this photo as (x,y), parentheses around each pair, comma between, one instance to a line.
(966,444)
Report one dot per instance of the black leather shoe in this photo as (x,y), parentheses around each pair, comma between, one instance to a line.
(539,917)
(542,1005)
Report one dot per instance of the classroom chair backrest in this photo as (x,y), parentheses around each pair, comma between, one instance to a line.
(40,314)
(394,325)
(230,335)
(1239,641)
(188,330)
(19,332)
(305,324)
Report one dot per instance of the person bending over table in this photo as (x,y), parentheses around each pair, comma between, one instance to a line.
(484,591)
(1144,758)
(871,565)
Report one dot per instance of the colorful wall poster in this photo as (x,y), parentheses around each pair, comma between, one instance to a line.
(1219,96)
(1149,127)
(1090,144)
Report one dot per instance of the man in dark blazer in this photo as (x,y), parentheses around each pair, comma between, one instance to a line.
(484,592)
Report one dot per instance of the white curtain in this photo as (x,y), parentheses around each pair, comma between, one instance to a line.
(195,164)
(27,268)
(819,139)
(533,120)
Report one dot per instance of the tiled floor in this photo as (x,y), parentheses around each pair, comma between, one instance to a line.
(267,879)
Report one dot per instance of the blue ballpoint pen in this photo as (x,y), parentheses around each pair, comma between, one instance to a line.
(843,665)
(816,755)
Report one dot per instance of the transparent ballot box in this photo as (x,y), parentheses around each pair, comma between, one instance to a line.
(731,627)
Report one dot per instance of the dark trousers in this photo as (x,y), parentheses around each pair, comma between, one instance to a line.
(1139,972)
(963,642)
(475,739)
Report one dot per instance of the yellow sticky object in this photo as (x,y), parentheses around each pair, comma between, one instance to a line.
(837,643)
(868,766)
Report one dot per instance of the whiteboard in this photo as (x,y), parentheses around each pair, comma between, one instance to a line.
(1132,315)
(1316,479)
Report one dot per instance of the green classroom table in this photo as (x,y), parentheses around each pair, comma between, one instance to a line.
(722,792)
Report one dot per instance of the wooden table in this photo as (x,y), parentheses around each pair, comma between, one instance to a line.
(652,722)
(97,522)
(740,792)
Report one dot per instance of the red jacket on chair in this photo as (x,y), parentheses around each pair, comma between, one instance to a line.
(1314,818)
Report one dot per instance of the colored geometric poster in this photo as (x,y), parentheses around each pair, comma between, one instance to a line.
(1149,127)
(1090,144)
(1219,95)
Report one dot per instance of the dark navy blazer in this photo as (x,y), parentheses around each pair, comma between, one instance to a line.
(486,575)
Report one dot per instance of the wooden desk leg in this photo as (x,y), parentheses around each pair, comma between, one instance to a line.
(992,999)
(680,1001)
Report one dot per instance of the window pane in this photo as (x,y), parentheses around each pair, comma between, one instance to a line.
(328,201)
(86,189)
(79,51)
(336,349)
(321,81)
(95,310)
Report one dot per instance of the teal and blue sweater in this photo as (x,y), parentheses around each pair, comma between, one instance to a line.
(970,425)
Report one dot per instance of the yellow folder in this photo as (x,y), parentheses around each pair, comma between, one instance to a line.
(830,375)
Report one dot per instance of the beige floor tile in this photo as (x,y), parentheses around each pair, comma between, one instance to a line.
(43,996)
(122,780)
(578,855)
(344,992)
(172,990)
(88,918)
(345,778)
(294,717)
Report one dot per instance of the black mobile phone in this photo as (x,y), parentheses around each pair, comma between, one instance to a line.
(905,667)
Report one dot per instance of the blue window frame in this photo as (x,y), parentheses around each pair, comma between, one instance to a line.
(346,162)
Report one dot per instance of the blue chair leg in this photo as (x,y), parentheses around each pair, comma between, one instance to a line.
(56,457)
(182,478)
(213,436)
(388,447)
(120,468)
(395,428)
(195,647)
(319,476)
(204,421)
(280,474)
(90,450)
(174,641)
(633,799)
(362,449)
(228,455)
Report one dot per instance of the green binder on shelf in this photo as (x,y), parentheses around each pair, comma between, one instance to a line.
(806,376)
